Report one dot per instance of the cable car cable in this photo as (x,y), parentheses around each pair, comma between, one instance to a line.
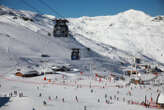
(29,5)
(48,6)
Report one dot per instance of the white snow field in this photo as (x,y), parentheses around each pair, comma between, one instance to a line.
(108,45)
(132,32)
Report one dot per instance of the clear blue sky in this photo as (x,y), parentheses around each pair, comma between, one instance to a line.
(77,8)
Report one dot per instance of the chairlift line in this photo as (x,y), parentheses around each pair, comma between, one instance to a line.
(44,3)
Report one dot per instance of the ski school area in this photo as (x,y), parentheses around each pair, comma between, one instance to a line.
(79,92)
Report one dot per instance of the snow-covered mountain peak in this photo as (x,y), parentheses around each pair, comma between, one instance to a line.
(133,16)
(131,12)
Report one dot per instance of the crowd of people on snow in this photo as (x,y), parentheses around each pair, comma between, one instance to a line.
(108,98)
(14,93)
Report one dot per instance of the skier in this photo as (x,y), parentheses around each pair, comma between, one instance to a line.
(11,94)
(91,90)
(63,100)
(56,97)
(105,95)
(128,101)
(21,94)
(130,94)
(114,96)
(151,100)
(44,102)
(98,100)
(40,94)
(85,107)
(49,97)
(76,99)
(15,93)
(123,99)
(107,101)
(110,97)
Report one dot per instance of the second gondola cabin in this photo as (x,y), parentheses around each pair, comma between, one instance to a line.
(61,28)
(75,55)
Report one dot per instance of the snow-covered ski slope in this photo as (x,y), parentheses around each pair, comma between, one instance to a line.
(112,39)
(129,33)
(23,42)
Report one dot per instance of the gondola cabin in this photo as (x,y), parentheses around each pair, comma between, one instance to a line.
(137,60)
(61,28)
(75,55)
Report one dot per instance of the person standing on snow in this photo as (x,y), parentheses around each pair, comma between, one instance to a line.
(63,100)
(98,100)
(40,94)
(85,107)
(49,97)
(15,93)
(44,102)
(106,96)
(76,99)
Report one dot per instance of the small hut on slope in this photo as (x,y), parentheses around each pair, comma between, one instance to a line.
(27,73)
